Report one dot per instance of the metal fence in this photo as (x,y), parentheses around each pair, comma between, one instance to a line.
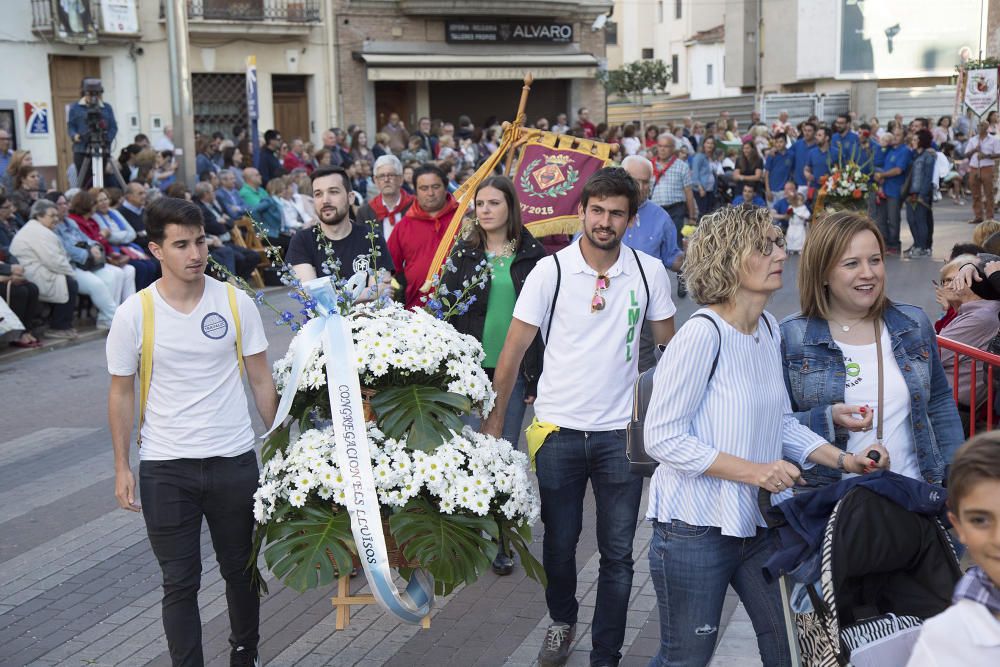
(254,10)
(978,362)
(660,109)
(930,102)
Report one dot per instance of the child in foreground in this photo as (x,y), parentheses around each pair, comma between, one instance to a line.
(968,633)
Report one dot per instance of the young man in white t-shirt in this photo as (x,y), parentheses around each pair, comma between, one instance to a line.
(605,291)
(197,455)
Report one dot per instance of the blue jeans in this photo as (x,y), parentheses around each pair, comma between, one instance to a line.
(564,464)
(921,221)
(513,419)
(691,568)
(888,222)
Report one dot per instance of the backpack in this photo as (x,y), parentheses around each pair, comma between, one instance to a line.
(640,462)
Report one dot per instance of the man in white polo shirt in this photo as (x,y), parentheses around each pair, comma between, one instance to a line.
(589,300)
(197,455)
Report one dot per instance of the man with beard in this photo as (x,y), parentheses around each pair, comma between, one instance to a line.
(392,202)
(578,429)
(800,149)
(415,239)
(349,243)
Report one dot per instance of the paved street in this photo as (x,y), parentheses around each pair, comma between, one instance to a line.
(79,585)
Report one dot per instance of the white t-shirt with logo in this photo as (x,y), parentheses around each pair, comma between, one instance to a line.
(197,407)
(861,388)
(590,362)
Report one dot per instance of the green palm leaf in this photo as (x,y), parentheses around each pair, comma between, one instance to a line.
(519,538)
(424,415)
(298,550)
(451,547)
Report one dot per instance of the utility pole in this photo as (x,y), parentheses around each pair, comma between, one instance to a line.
(180,89)
(759,93)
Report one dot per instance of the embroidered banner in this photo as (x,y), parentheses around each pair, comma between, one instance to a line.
(981,90)
(549,180)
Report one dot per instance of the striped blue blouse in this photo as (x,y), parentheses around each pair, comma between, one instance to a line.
(744,411)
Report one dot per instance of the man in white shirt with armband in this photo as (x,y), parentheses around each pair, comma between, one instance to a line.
(589,300)
(189,338)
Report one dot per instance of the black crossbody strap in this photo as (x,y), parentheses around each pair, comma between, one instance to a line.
(715,362)
(555,297)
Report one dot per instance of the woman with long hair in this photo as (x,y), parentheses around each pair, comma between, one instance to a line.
(232,161)
(20,158)
(847,329)
(497,236)
(360,149)
(749,167)
(27,188)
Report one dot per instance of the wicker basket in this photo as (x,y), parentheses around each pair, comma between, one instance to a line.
(396,558)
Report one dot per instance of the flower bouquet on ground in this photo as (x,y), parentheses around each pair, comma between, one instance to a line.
(368,463)
(845,188)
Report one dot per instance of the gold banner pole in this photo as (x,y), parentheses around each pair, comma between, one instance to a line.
(519,116)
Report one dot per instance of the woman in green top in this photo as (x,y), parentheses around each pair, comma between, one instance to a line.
(498,236)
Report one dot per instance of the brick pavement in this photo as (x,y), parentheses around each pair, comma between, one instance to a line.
(78,584)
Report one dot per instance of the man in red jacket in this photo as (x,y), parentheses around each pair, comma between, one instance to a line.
(415,240)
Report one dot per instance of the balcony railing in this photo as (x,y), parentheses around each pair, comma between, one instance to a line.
(291,11)
(42,19)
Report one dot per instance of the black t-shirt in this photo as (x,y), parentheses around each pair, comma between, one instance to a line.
(353,251)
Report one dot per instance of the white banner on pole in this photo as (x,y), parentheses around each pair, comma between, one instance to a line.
(981,90)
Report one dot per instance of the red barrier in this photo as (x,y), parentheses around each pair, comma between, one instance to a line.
(974,357)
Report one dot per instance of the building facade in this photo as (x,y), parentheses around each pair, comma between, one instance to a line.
(48,53)
(442,59)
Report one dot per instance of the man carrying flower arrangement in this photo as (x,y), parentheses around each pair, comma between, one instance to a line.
(189,338)
(589,300)
(336,239)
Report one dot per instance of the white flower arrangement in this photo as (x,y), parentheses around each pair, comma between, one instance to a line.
(470,474)
(394,344)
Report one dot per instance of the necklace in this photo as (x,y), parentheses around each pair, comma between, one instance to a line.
(847,327)
(506,250)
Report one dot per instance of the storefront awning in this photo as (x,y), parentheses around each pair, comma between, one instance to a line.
(463,67)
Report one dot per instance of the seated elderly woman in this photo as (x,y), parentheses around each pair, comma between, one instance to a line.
(720,433)
(46,264)
(975,323)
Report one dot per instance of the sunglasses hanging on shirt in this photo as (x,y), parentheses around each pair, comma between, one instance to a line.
(597,303)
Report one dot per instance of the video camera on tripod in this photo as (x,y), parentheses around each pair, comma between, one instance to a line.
(96,139)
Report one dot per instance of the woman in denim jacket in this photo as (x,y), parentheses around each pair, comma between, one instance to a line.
(829,357)
(920,198)
(703,176)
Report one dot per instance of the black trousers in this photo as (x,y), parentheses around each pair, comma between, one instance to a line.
(175,495)
(678,213)
(63,313)
(23,300)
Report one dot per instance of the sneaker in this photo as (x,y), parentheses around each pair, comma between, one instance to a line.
(61,334)
(682,288)
(503,564)
(975,221)
(555,646)
(240,656)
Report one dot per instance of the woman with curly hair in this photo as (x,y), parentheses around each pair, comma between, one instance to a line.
(720,424)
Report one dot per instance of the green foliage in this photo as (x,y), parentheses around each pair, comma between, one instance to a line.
(277,441)
(424,415)
(519,537)
(637,77)
(985,63)
(449,546)
(298,550)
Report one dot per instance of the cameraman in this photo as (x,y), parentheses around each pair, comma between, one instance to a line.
(91,122)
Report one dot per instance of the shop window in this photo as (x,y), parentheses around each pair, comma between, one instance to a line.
(220,102)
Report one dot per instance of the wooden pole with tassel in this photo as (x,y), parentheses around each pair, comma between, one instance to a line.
(519,116)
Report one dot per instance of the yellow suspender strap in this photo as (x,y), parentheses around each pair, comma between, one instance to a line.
(239,329)
(146,356)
